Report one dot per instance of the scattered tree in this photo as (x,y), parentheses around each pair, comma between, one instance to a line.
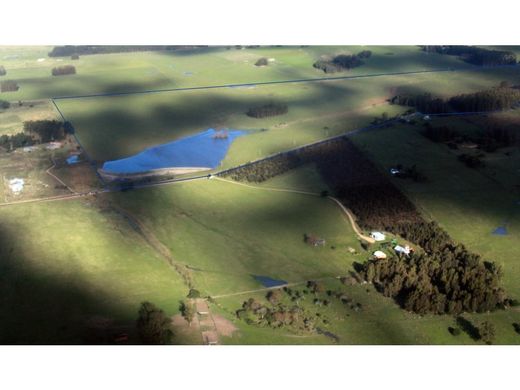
(2,71)
(487,332)
(9,86)
(262,62)
(187,310)
(63,70)
(267,110)
(153,326)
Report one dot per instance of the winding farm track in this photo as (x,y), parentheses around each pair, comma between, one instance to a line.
(351,217)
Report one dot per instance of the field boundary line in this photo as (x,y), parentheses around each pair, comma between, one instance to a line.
(290,81)
(270,288)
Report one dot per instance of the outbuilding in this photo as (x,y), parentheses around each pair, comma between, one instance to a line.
(378,236)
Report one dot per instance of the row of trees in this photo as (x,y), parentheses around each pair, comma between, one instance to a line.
(19,140)
(497,134)
(69,50)
(40,131)
(267,110)
(342,62)
(44,130)
(493,99)
(476,55)
(9,86)
(63,70)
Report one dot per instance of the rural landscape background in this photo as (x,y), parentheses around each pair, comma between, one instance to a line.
(276,242)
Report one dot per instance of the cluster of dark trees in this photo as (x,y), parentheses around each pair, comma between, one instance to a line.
(63,70)
(424,102)
(274,166)
(267,110)
(342,62)
(69,50)
(9,86)
(493,99)
(484,332)
(153,325)
(4,104)
(10,142)
(472,160)
(447,280)
(262,62)
(475,55)
(45,130)
(277,315)
(497,134)
(2,70)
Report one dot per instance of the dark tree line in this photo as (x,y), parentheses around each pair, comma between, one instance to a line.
(476,55)
(9,86)
(497,134)
(267,110)
(63,70)
(2,71)
(342,62)
(67,51)
(10,142)
(44,130)
(493,99)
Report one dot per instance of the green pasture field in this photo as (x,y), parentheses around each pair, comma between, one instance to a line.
(379,321)
(138,71)
(64,264)
(226,233)
(120,126)
(12,118)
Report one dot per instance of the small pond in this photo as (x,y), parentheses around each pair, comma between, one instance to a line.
(266,281)
(203,150)
(74,159)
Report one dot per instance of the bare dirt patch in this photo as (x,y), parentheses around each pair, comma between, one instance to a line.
(224,326)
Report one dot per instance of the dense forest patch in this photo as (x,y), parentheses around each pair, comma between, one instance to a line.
(493,99)
(63,70)
(342,62)
(475,55)
(267,110)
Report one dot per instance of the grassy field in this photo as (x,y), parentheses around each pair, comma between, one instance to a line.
(31,67)
(227,233)
(68,264)
(64,264)
(112,127)
(12,118)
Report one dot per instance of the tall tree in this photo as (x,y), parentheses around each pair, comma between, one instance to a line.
(153,326)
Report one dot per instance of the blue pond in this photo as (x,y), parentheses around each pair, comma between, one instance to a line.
(73,159)
(500,231)
(266,281)
(204,149)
